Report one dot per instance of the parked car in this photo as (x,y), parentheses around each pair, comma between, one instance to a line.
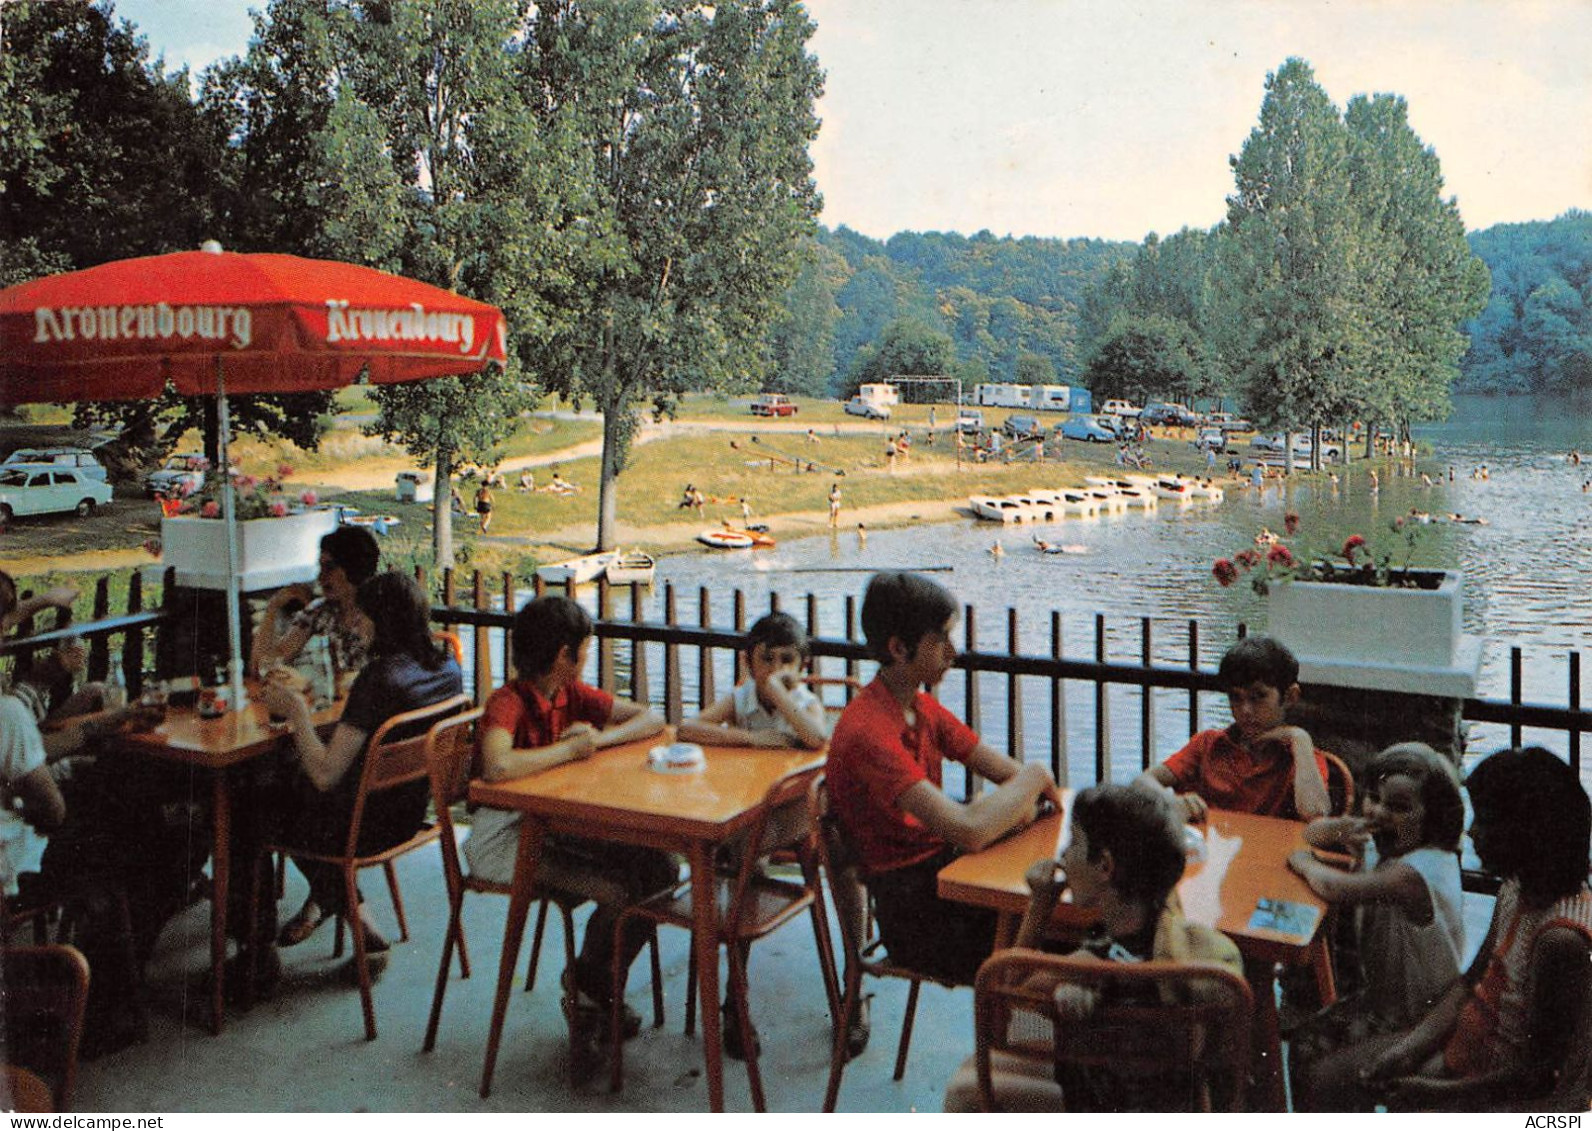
(1210,438)
(1092,429)
(856,406)
(970,420)
(1330,449)
(1022,427)
(773,404)
(1120,408)
(27,489)
(1228,422)
(179,471)
(85,462)
(1168,413)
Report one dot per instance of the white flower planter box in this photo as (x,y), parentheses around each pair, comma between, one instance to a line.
(1389,639)
(271,551)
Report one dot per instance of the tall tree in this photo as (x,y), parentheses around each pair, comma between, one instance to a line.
(694,193)
(801,341)
(1417,277)
(1291,254)
(478,197)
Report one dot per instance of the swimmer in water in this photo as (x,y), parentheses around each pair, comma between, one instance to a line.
(997,550)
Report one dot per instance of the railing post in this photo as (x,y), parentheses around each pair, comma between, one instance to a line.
(605,644)
(705,693)
(1574,699)
(740,627)
(1102,708)
(481,639)
(971,711)
(1514,693)
(1058,708)
(1193,666)
(1147,699)
(133,639)
(671,660)
(812,629)
(99,649)
(851,637)
(447,587)
(638,652)
(1014,693)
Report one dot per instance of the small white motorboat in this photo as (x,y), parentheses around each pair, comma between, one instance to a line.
(1109,500)
(1205,489)
(726,540)
(1132,494)
(1000,508)
(577,571)
(1172,489)
(1056,504)
(632,567)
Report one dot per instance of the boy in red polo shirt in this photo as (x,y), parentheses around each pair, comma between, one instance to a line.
(1260,764)
(884,782)
(542,719)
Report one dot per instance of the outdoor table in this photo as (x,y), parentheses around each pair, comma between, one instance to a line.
(218,745)
(1245,860)
(613,796)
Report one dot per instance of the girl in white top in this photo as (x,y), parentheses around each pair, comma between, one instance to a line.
(1408,885)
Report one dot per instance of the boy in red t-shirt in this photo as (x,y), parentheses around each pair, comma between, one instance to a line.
(542,719)
(1260,764)
(884,782)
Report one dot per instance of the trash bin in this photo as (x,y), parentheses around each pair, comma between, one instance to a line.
(414,487)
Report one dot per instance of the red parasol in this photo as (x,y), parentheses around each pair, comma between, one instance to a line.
(214,322)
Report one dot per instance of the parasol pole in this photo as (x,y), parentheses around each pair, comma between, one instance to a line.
(229,514)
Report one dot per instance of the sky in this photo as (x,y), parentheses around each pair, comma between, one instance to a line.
(1116,118)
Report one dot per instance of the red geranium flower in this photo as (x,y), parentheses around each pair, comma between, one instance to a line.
(1354,542)
(212,509)
(308,498)
(278,509)
(283,470)
(1225,572)
(1279,555)
(1290,522)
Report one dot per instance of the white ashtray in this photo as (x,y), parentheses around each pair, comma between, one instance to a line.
(676,758)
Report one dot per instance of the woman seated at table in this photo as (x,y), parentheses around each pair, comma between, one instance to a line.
(293,615)
(312,807)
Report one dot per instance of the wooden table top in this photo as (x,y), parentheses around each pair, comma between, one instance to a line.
(615,788)
(235,737)
(1245,860)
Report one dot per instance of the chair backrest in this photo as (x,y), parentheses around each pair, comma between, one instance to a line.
(451,762)
(1340,783)
(788,794)
(839,865)
(1177,1031)
(45,993)
(396,755)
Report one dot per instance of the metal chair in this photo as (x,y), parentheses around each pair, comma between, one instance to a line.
(45,994)
(1175,1035)
(859,941)
(394,757)
(451,762)
(752,905)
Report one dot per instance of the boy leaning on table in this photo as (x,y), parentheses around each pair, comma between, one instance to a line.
(884,770)
(1123,860)
(1260,764)
(543,718)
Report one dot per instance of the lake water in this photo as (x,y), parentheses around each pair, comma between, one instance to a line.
(1525,571)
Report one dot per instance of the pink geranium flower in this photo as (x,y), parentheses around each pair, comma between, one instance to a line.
(212,509)
(309,498)
(1225,572)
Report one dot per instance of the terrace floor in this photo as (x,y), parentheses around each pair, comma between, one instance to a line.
(304,1050)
